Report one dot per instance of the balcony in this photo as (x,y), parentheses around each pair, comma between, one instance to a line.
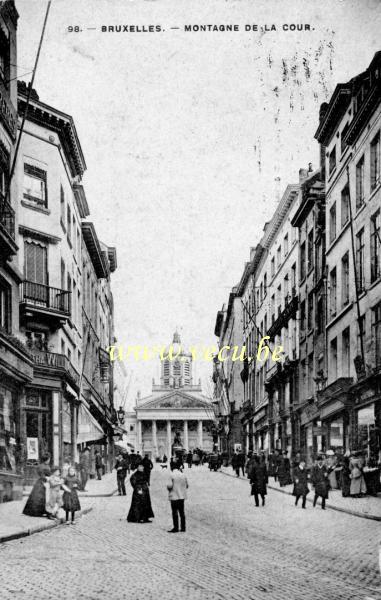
(49,305)
(289,312)
(48,364)
(8,245)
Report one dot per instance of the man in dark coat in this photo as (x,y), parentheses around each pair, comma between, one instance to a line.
(258,480)
(284,470)
(148,466)
(301,488)
(189,459)
(236,463)
(84,461)
(319,478)
(98,464)
(121,465)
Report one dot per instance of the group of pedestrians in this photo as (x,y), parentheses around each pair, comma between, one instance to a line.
(51,492)
(177,485)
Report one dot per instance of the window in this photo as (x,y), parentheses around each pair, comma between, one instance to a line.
(320,316)
(319,260)
(78,246)
(375,162)
(272,267)
(346,352)
(63,347)
(360,259)
(69,289)
(310,251)
(375,247)
(279,299)
(303,316)
(285,245)
(344,206)
(310,378)
(68,223)
(332,223)
(332,160)
(273,308)
(377,334)
(279,256)
(293,280)
(342,138)
(286,290)
(310,313)
(265,284)
(261,291)
(303,261)
(332,293)
(360,332)
(345,279)
(5,306)
(35,263)
(34,188)
(4,58)
(303,377)
(62,214)
(333,359)
(360,183)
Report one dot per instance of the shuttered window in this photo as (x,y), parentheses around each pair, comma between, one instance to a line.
(35,189)
(35,262)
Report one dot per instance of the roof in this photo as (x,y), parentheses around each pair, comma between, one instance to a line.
(94,249)
(55,120)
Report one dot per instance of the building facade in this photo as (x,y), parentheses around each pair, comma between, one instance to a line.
(349,133)
(16,364)
(176,413)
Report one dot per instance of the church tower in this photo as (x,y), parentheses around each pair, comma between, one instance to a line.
(176,373)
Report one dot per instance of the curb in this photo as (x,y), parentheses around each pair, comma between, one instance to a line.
(39,528)
(84,495)
(353,513)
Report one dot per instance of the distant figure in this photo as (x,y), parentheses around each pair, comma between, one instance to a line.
(301,488)
(148,466)
(177,493)
(189,459)
(121,466)
(345,476)
(84,462)
(258,480)
(140,509)
(98,464)
(236,463)
(284,470)
(319,478)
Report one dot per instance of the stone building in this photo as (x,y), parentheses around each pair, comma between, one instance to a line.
(16,364)
(349,134)
(228,385)
(176,411)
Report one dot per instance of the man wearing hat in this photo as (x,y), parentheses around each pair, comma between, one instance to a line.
(319,478)
(177,493)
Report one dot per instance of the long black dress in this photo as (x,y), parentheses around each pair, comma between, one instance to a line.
(70,499)
(140,509)
(36,504)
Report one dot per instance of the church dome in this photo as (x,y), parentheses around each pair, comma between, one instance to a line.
(177,370)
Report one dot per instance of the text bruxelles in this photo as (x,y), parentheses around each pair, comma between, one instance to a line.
(207,353)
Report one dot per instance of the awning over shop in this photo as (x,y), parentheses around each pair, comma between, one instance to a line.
(89,429)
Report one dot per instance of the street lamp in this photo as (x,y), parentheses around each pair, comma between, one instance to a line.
(121,415)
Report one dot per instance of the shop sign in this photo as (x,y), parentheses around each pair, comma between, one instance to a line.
(335,431)
(32,448)
(366,415)
(321,430)
(8,114)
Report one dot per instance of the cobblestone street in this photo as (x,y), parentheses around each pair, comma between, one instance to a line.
(232,550)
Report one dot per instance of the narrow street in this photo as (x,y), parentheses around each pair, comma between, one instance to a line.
(231,550)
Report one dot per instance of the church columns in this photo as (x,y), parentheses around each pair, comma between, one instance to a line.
(154,440)
(140,440)
(199,434)
(186,441)
(169,439)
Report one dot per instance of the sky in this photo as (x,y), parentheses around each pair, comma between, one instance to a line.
(190,138)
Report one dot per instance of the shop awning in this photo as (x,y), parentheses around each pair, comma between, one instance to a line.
(89,429)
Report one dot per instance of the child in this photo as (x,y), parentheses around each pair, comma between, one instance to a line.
(70,497)
(54,500)
(300,483)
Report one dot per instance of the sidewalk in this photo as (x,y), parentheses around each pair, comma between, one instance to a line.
(368,507)
(14,525)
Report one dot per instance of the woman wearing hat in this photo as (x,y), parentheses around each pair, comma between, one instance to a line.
(358,485)
(140,509)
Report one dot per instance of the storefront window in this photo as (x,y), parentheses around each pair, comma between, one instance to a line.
(368,440)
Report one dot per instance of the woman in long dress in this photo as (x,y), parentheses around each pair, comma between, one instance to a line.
(36,504)
(140,509)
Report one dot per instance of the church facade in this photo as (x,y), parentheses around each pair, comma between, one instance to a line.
(176,414)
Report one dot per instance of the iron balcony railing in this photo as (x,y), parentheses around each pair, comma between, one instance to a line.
(7,217)
(56,361)
(41,295)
